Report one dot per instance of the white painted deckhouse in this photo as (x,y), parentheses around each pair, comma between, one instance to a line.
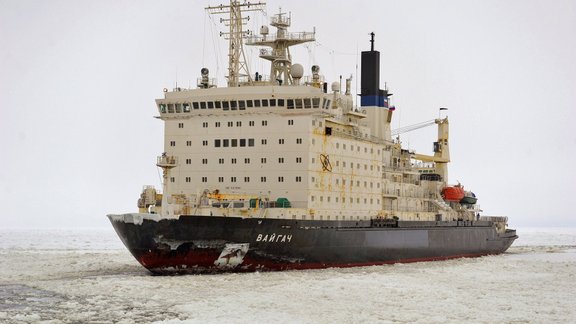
(291,146)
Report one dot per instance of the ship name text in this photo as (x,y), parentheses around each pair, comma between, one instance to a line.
(281,238)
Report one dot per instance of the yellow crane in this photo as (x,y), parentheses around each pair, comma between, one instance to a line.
(441,155)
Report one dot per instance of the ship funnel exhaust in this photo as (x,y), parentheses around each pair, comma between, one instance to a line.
(370,92)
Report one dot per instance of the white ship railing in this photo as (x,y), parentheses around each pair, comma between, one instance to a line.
(206,83)
(280,20)
(165,160)
(495,219)
(239,204)
(301,36)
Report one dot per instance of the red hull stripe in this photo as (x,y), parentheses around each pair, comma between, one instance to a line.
(204,262)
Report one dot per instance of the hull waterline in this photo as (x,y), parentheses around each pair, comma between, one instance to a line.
(200,244)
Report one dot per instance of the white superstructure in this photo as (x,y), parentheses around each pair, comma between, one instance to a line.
(289,146)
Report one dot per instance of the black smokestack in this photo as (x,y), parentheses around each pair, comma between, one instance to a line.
(370,80)
(370,92)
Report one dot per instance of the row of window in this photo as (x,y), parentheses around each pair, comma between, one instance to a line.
(235,142)
(235,179)
(343,200)
(281,179)
(280,160)
(357,148)
(299,103)
(246,160)
(358,183)
(238,124)
(358,165)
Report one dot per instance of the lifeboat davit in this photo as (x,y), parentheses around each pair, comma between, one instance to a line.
(453,193)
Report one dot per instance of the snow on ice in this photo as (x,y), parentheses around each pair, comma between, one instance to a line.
(87,276)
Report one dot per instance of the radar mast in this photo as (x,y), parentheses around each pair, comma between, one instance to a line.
(237,66)
(279,54)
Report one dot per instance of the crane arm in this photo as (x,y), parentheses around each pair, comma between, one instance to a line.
(430,158)
(410,128)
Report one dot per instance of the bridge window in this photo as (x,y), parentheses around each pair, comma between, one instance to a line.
(315,102)
(298,103)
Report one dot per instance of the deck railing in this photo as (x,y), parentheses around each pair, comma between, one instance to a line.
(495,219)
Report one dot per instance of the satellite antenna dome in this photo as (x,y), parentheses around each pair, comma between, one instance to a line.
(264,30)
(315,69)
(297,71)
(335,86)
(204,71)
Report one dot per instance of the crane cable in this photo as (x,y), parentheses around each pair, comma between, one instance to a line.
(412,127)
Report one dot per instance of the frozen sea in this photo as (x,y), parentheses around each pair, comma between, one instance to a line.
(87,276)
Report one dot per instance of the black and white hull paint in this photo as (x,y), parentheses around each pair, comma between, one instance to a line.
(202,244)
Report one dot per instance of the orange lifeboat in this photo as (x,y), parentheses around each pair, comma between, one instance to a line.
(454,193)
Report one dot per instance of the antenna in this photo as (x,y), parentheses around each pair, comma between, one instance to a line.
(440,112)
(237,65)
(372,41)
(356,86)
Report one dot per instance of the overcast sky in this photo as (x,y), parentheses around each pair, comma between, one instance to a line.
(78,81)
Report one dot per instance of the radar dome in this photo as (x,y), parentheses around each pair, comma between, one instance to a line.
(264,30)
(297,71)
(335,86)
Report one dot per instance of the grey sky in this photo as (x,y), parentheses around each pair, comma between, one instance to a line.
(78,81)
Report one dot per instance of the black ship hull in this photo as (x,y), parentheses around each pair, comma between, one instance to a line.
(209,244)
